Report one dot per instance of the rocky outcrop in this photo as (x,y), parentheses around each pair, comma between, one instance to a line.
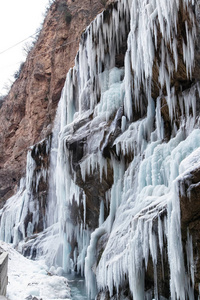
(190,220)
(27,114)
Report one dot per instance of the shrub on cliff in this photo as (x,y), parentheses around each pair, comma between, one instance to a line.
(68,16)
(18,72)
(103,2)
(2,99)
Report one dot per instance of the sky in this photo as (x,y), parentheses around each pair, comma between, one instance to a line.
(19,19)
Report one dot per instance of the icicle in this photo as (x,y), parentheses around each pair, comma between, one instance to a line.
(190,259)
(159,120)
(101,213)
(84,211)
(90,260)
(116,190)
(123,125)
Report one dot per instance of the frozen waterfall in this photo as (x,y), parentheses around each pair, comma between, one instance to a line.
(124,140)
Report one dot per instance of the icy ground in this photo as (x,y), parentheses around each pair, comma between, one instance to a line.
(28,279)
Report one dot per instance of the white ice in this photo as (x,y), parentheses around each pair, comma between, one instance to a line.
(32,278)
(145,189)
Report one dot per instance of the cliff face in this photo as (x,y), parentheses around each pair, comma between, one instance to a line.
(113,191)
(28,112)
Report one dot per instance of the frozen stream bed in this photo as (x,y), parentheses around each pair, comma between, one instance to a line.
(28,279)
(77,288)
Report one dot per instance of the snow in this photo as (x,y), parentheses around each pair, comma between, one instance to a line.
(31,278)
(190,163)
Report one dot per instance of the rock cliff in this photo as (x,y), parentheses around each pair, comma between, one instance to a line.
(28,111)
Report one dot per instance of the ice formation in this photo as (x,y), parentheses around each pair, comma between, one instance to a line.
(29,279)
(147,167)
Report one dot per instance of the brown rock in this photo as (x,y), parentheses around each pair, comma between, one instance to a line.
(190,217)
(29,109)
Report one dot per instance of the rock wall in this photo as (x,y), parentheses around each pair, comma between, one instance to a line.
(28,111)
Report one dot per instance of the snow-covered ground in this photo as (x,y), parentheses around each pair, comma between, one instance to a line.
(28,279)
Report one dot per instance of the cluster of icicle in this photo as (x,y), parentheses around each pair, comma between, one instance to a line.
(149,186)
(88,80)
(13,215)
(144,191)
